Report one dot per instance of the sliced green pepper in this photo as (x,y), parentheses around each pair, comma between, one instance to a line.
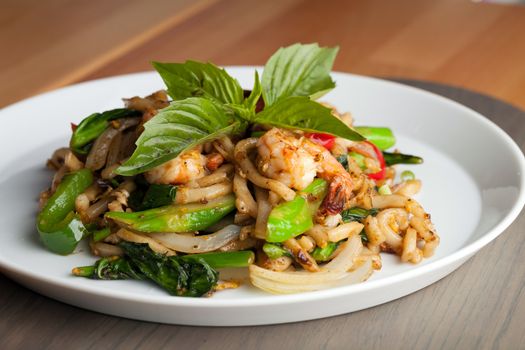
(59,227)
(176,218)
(92,126)
(382,137)
(292,218)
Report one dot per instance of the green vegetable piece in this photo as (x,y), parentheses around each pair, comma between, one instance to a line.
(407,175)
(178,277)
(382,137)
(158,196)
(298,70)
(324,254)
(358,214)
(176,218)
(110,268)
(275,251)
(197,79)
(292,218)
(92,126)
(59,228)
(219,260)
(304,114)
(400,158)
(99,235)
(181,126)
(359,159)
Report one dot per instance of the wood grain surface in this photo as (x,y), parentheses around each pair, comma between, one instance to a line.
(478,46)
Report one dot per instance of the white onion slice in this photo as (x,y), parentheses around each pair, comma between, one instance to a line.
(331,280)
(197,244)
(331,275)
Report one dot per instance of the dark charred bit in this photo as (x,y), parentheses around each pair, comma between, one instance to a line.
(303,259)
(335,199)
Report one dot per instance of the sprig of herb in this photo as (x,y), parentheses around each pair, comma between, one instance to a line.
(209,104)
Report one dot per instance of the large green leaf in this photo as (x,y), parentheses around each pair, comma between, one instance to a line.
(304,114)
(182,125)
(197,79)
(298,70)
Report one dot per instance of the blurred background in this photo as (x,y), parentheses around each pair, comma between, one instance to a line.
(479,45)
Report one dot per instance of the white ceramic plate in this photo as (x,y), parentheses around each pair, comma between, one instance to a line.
(473,179)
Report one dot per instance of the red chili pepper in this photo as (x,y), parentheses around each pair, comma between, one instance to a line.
(381,173)
(325,140)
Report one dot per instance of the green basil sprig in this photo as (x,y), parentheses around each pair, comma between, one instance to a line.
(209,103)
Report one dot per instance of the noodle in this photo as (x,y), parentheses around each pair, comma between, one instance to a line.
(244,201)
(191,195)
(241,156)
(264,209)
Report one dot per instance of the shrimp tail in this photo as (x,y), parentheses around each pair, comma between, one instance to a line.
(339,194)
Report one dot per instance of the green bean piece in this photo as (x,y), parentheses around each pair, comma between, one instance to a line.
(175,217)
(219,260)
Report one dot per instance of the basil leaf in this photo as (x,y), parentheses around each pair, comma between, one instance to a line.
(92,126)
(305,114)
(298,70)
(197,79)
(181,126)
(251,101)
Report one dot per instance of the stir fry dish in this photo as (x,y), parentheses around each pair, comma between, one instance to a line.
(204,175)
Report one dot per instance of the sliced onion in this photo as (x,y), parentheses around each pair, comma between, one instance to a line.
(197,244)
(329,280)
(345,259)
(331,275)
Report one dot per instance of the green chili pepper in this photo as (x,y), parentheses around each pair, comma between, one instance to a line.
(92,126)
(324,254)
(292,218)
(382,137)
(176,218)
(59,227)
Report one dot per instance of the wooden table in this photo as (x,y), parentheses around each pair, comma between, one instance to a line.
(50,44)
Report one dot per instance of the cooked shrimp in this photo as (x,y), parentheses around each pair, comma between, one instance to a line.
(295,161)
(188,166)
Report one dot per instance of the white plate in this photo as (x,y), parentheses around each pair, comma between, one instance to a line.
(473,179)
